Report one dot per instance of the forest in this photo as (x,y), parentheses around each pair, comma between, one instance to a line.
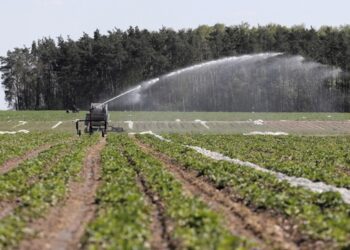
(61,73)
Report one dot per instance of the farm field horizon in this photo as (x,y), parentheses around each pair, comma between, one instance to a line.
(186,122)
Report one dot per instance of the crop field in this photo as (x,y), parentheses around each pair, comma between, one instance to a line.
(193,188)
(185,122)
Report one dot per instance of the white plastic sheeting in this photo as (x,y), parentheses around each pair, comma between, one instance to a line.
(318,187)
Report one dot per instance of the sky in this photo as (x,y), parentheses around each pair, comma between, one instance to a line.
(23,21)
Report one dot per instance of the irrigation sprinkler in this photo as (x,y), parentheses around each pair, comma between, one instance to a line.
(98,117)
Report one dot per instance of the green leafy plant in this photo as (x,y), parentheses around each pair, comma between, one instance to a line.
(48,189)
(319,216)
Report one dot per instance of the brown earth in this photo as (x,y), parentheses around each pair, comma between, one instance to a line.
(261,228)
(343,169)
(6,208)
(64,225)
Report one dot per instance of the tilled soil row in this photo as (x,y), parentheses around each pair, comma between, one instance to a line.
(14,162)
(65,224)
(161,226)
(239,219)
(6,207)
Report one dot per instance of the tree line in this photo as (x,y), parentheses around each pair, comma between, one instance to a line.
(61,73)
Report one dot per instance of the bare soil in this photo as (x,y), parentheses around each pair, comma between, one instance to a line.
(241,220)
(6,208)
(64,225)
(341,168)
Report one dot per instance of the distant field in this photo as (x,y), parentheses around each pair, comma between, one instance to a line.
(186,122)
(61,115)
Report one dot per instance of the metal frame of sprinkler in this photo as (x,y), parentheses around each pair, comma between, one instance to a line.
(98,117)
(95,120)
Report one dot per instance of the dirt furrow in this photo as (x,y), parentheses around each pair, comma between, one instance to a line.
(46,168)
(160,226)
(64,225)
(14,162)
(240,220)
(6,207)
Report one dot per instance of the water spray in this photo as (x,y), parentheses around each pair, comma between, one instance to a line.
(246,83)
(149,83)
(118,96)
(97,119)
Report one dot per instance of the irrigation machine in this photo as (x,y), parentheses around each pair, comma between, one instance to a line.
(97,120)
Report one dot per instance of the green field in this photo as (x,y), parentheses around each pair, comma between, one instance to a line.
(194,186)
(61,115)
(186,122)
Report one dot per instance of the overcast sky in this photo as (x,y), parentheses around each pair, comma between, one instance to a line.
(23,21)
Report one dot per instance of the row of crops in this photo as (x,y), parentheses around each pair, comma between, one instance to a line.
(137,191)
(324,159)
(37,184)
(16,145)
(317,216)
(124,217)
(124,210)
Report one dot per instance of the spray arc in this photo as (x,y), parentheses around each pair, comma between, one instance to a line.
(228,83)
(266,82)
(98,117)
